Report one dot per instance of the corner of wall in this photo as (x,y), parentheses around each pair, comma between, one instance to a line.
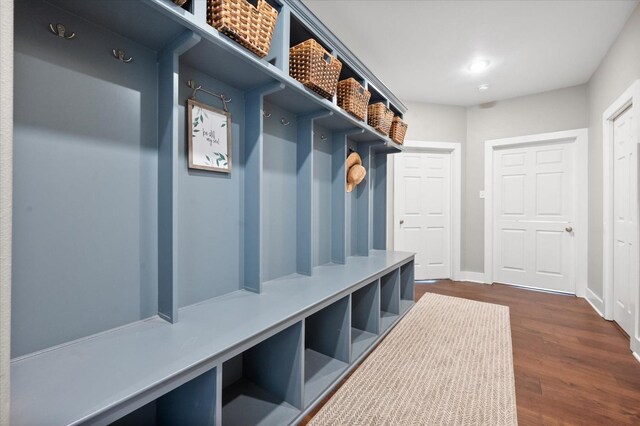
(6,184)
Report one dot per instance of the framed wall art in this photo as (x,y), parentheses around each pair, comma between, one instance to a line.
(209,137)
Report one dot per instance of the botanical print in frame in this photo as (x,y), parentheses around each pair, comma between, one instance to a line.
(209,137)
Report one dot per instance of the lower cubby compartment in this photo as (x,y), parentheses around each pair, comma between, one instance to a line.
(365,318)
(326,354)
(406,286)
(389,299)
(192,403)
(263,385)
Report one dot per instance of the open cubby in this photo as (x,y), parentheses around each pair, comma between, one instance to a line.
(348,72)
(299,33)
(406,286)
(365,318)
(188,6)
(395,110)
(129,267)
(327,344)
(192,403)
(389,298)
(376,96)
(262,385)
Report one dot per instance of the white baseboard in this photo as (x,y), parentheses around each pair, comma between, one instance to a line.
(636,356)
(596,302)
(472,277)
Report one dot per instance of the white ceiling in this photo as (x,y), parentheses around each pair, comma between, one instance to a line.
(421,49)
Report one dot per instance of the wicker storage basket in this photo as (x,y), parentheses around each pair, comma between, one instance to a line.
(398,130)
(250,26)
(379,117)
(353,98)
(314,67)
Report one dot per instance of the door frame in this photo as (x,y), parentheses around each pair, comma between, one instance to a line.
(580,138)
(455,150)
(629,99)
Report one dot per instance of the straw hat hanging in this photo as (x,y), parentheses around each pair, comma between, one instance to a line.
(355,171)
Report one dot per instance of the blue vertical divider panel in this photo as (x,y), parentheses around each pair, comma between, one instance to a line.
(168,157)
(279,51)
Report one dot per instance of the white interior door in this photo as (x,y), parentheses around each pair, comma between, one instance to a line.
(534,211)
(623,225)
(422,191)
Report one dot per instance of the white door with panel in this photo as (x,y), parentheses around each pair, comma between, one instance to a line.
(422,211)
(624,157)
(534,212)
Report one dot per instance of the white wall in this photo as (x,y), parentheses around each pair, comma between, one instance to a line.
(427,122)
(562,109)
(617,71)
(6,135)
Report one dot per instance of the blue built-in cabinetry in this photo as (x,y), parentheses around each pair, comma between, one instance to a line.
(145,292)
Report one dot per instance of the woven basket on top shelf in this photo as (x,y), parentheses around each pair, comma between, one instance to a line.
(251,26)
(379,117)
(353,98)
(398,130)
(313,66)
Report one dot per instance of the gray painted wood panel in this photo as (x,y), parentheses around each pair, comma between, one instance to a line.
(85,179)
(209,205)
(279,194)
(322,203)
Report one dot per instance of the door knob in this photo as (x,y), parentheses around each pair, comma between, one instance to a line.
(568,229)
(401,221)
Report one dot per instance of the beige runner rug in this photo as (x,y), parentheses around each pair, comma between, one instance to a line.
(448,362)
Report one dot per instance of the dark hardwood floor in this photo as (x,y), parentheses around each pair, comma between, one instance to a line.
(571,366)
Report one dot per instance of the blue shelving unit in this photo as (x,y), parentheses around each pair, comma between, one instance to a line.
(144,290)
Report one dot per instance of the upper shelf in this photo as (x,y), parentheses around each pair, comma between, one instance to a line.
(93,377)
(219,57)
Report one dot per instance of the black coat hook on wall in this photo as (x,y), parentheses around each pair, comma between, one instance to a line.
(61,31)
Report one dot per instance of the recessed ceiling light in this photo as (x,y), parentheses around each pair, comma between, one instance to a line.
(479,66)
(483,87)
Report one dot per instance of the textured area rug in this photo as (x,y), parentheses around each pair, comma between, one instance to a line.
(448,362)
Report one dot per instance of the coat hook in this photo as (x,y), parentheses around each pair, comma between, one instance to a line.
(266,114)
(119,54)
(323,137)
(61,31)
(284,121)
